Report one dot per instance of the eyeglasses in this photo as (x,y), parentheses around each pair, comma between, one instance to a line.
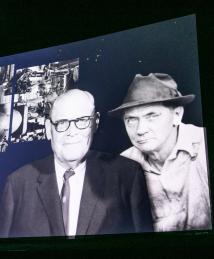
(80,123)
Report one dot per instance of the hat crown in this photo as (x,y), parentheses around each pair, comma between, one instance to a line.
(152,88)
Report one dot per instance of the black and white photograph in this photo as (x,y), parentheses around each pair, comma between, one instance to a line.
(122,147)
(6,77)
(35,89)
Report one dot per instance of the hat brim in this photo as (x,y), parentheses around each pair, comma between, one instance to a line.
(178,101)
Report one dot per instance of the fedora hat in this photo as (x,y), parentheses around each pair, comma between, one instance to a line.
(154,88)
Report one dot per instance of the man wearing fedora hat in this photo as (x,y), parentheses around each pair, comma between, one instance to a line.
(172,154)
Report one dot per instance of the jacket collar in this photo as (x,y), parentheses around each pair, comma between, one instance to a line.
(48,193)
(92,193)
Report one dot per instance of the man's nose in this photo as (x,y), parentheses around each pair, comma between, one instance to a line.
(142,127)
(72,129)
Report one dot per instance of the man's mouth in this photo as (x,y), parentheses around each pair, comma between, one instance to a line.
(143,141)
(72,142)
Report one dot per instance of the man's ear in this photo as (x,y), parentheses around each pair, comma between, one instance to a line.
(178,115)
(97,121)
(48,129)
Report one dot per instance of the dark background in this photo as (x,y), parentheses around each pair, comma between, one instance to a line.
(29,25)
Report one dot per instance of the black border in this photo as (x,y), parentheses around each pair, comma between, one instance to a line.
(29,25)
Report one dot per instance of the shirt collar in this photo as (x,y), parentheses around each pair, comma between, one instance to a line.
(60,170)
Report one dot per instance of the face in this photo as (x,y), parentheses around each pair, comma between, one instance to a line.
(150,127)
(71,146)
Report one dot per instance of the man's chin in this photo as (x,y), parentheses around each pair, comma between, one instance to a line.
(73,156)
(72,144)
(145,147)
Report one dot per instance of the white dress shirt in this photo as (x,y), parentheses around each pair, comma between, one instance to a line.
(76,187)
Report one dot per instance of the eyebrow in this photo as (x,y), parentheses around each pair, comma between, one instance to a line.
(150,113)
(127,116)
(77,118)
(130,117)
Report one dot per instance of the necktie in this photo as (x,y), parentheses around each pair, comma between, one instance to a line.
(65,196)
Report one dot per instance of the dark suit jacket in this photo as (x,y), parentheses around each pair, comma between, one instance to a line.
(114,199)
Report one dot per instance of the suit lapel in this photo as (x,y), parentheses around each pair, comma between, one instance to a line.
(90,208)
(48,193)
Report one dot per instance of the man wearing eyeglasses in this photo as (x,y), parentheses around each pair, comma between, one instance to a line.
(75,191)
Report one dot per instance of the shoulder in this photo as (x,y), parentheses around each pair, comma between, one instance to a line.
(195,133)
(194,136)
(115,170)
(30,171)
(197,138)
(134,154)
(114,161)
(111,157)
